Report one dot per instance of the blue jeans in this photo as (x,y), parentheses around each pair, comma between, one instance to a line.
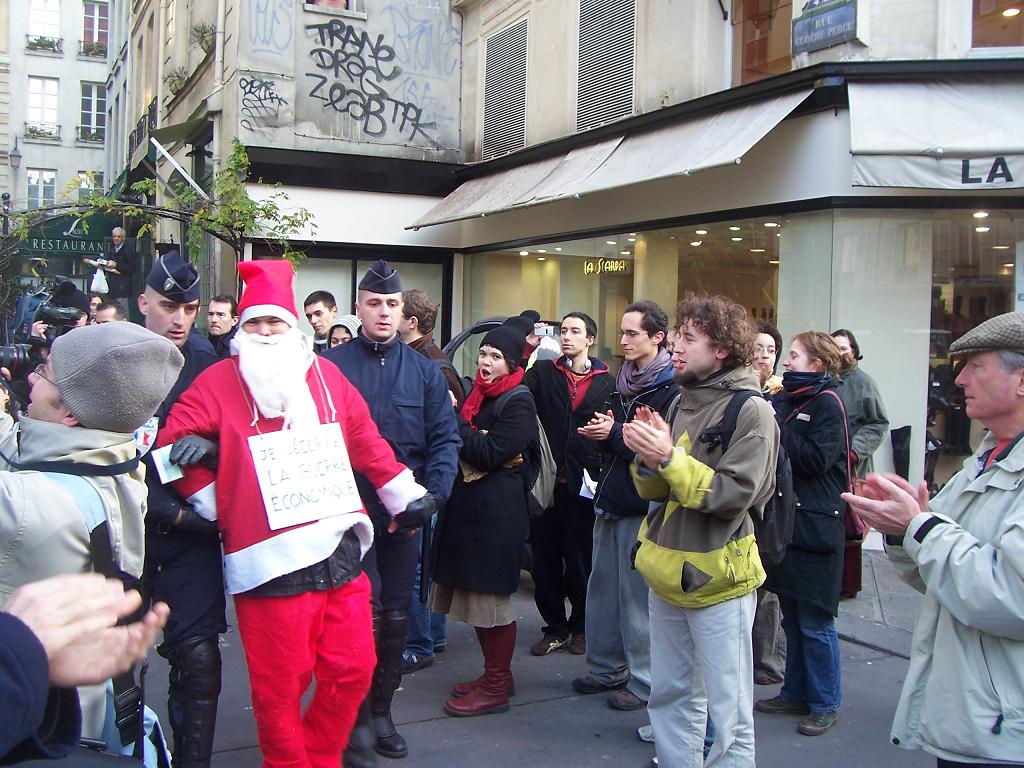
(426,629)
(812,656)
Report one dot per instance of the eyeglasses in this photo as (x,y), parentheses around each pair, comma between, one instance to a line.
(632,335)
(39,371)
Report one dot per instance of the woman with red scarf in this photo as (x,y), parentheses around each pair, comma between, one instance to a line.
(480,537)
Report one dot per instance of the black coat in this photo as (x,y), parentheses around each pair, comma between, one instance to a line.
(616,493)
(481,533)
(550,387)
(813,434)
(121,286)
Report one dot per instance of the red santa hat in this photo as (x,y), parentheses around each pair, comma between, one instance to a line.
(268,291)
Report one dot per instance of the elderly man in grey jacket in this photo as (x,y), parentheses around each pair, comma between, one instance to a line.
(69,470)
(963,697)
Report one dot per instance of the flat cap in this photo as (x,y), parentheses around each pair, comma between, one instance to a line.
(1001,332)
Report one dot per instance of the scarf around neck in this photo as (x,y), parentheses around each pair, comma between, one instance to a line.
(632,380)
(487,390)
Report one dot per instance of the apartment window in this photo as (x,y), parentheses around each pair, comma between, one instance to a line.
(505,91)
(762,39)
(997,24)
(606,52)
(42,187)
(44,18)
(96,23)
(93,125)
(42,107)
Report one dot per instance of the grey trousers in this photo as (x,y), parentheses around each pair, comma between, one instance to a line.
(768,638)
(702,666)
(618,634)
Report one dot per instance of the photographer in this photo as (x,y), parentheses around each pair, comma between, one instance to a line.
(73,482)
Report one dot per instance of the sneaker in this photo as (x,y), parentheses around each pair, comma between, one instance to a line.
(626,701)
(587,685)
(412,663)
(440,647)
(779,705)
(818,723)
(645,733)
(547,644)
(654,762)
(578,645)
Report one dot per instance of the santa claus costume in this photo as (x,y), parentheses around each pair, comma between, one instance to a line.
(302,601)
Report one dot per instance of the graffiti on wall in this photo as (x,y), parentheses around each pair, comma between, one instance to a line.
(260,105)
(271,26)
(356,74)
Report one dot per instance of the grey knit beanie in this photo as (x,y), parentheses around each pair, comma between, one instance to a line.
(113,376)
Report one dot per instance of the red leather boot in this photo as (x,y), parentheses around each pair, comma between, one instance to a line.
(491,695)
(465,688)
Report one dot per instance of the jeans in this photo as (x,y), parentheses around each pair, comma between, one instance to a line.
(812,656)
(701,670)
(618,630)
(426,628)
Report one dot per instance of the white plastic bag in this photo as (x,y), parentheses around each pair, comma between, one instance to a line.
(99,282)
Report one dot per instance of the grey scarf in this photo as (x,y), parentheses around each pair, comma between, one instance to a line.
(632,381)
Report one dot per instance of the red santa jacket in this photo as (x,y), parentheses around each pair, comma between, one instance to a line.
(219,406)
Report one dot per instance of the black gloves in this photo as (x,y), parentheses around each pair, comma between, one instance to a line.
(192,449)
(191,521)
(416,514)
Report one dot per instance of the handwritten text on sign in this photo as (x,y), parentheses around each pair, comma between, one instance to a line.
(304,474)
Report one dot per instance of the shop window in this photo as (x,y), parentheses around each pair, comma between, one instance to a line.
(762,39)
(505,63)
(606,58)
(42,187)
(997,23)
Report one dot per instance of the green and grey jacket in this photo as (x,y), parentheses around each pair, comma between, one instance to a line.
(697,547)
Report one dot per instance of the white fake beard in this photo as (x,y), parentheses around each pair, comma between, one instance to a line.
(274,368)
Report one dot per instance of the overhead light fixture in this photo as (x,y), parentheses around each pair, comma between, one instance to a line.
(1011,12)
(623,253)
(632,234)
(541,258)
(671,237)
(982,229)
(981,214)
(695,243)
(541,250)
(524,253)
(736,239)
(631,239)
(702,232)
(771,224)
(558,249)
(1010,265)
(734,229)
(612,242)
(1000,247)
(778,234)
(773,261)
(14,156)
(757,250)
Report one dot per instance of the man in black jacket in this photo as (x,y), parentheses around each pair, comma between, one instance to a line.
(568,391)
(222,323)
(411,406)
(618,636)
(122,259)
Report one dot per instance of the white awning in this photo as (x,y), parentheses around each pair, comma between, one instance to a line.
(682,148)
(961,134)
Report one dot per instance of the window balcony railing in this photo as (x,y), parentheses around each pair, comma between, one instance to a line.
(49,131)
(94,49)
(91,134)
(44,43)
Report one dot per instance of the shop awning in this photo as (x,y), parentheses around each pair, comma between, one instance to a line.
(679,149)
(961,134)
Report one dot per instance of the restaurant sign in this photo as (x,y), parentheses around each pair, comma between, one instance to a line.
(824,24)
(65,245)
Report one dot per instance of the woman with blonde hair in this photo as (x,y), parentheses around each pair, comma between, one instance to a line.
(813,433)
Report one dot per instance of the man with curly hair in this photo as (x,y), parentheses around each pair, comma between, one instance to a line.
(696,547)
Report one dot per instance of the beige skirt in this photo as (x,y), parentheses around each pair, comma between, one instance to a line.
(479,609)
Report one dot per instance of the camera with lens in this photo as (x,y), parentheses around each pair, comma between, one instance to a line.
(58,304)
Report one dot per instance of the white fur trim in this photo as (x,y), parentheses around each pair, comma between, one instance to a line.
(268,310)
(291,550)
(397,492)
(204,501)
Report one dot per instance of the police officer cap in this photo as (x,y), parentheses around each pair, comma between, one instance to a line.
(1001,332)
(174,278)
(380,278)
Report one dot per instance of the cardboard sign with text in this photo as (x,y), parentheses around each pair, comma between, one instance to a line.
(304,474)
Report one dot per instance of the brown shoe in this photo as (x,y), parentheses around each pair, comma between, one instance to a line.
(626,701)
(578,645)
(548,644)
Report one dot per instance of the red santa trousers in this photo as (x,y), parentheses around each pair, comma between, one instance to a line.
(288,640)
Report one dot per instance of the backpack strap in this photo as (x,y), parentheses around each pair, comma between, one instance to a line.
(722,434)
(504,397)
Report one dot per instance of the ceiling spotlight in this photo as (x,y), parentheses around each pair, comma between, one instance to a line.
(773,261)
(981,214)
(702,231)
(623,253)
(778,234)
(771,224)
(1011,12)
(982,229)
(541,250)
(631,239)
(632,234)
(541,258)
(736,239)
(524,253)
(1010,265)
(757,250)
(558,249)
(671,237)
(695,243)
(734,229)
(612,242)
(1000,247)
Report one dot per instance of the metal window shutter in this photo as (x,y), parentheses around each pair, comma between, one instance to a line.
(606,57)
(505,91)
